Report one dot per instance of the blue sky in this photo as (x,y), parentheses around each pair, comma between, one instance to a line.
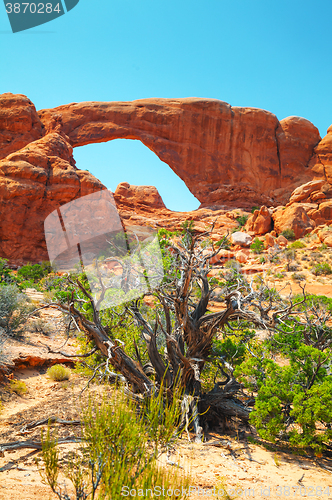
(262,53)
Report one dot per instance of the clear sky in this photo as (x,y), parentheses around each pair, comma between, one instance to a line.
(274,55)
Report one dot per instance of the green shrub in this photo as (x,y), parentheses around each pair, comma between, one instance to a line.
(280,276)
(233,265)
(253,209)
(288,234)
(14,308)
(321,268)
(6,274)
(241,220)
(32,273)
(19,387)
(224,242)
(58,373)
(298,277)
(293,402)
(262,260)
(297,244)
(257,246)
(120,451)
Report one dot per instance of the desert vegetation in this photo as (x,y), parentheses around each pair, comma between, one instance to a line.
(198,352)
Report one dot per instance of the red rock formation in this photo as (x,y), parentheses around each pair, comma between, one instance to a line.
(33,182)
(226,156)
(321,161)
(19,123)
(260,222)
(297,138)
(293,217)
(138,198)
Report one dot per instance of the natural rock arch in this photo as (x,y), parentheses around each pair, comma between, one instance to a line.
(221,152)
(127,160)
(225,155)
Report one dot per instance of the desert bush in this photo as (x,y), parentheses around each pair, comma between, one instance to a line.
(294,402)
(14,308)
(288,234)
(19,387)
(253,209)
(39,325)
(298,277)
(293,267)
(58,373)
(321,268)
(257,246)
(297,244)
(6,274)
(242,220)
(33,272)
(120,451)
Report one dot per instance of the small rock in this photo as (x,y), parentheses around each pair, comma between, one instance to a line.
(242,239)
(241,257)
(282,241)
(269,240)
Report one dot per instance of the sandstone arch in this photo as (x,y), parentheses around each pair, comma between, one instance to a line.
(225,155)
(126,160)
(222,153)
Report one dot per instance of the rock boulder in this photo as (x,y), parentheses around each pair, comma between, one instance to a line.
(293,217)
(260,222)
(241,239)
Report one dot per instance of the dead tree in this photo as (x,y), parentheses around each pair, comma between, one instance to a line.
(183,320)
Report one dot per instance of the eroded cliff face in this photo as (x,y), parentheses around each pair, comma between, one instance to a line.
(34,181)
(227,156)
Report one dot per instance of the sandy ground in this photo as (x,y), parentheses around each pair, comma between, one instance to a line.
(226,463)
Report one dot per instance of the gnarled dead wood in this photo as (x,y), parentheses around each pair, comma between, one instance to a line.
(35,445)
(50,420)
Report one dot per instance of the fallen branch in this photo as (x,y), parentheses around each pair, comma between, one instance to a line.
(35,445)
(324,467)
(71,355)
(50,420)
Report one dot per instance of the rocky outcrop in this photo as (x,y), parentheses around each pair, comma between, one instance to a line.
(325,235)
(321,161)
(297,138)
(227,156)
(315,197)
(34,181)
(19,123)
(241,239)
(260,222)
(138,198)
(294,218)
